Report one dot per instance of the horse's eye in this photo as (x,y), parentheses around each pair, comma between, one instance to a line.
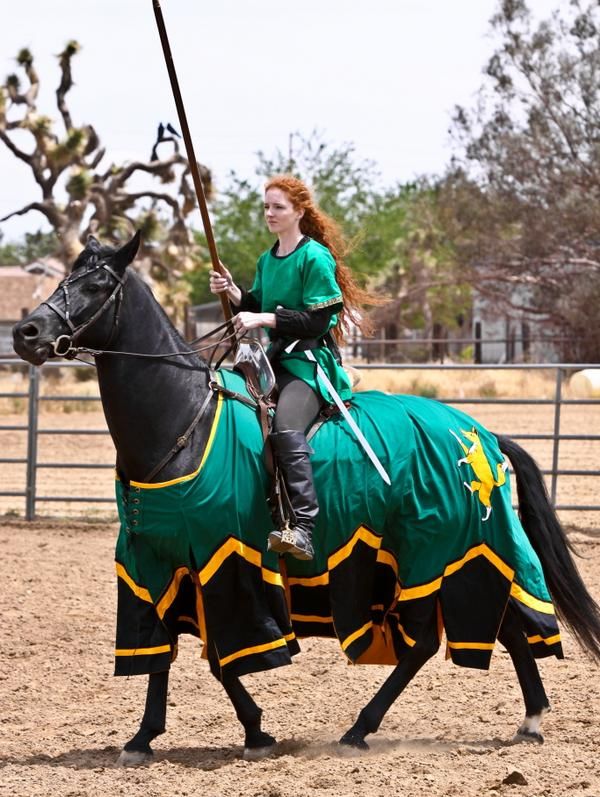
(92,288)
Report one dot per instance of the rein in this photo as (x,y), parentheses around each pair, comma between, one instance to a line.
(64,346)
(183,439)
(231,336)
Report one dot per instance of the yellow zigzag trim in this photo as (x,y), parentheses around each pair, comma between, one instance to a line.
(312,581)
(278,643)
(311,618)
(167,599)
(353,637)
(551,640)
(141,592)
(142,651)
(233,545)
(411,593)
(471,645)
(529,600)
(361,533)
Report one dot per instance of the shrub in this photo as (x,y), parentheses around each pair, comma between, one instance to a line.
(84,374)
(425,389)
(488,389)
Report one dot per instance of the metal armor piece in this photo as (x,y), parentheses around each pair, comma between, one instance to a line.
(252,361)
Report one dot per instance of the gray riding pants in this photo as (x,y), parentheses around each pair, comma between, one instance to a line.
(298,404)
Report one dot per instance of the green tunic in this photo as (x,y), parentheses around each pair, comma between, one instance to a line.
(303,280)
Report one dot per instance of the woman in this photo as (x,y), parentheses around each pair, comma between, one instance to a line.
(303,294)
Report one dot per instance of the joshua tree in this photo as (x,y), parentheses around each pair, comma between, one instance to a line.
(98,200)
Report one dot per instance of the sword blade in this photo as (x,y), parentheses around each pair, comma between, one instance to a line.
(349,419)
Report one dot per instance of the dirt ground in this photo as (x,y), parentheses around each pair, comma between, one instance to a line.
(64,717)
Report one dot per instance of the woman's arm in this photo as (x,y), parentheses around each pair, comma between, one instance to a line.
(287,323)
(302,323)
(247,302)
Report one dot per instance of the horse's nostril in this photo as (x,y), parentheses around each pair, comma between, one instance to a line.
(30,331)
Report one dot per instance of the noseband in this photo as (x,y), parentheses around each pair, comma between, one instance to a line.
(63,345)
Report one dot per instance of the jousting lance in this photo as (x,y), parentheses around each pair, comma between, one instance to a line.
(189,148)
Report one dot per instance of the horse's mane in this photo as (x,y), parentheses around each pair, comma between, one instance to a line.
(89,257)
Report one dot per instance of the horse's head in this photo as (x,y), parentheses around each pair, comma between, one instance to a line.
(83,309)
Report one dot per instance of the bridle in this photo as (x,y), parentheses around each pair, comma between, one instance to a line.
(63,345)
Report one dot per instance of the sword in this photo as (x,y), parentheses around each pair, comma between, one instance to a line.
(347,417)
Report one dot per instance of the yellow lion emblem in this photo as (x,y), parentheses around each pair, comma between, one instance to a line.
(475,457)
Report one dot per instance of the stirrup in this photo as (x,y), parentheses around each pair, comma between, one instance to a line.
(281,540)
(294,541)
(302,547)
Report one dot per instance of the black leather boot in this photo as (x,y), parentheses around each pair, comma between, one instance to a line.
(291,452)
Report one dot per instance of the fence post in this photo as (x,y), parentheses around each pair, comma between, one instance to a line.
(34,393)
(557,406)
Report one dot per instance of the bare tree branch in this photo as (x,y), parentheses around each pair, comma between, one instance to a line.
(18,153)
(158,168)
(49,212)
(66,82)
(161,197)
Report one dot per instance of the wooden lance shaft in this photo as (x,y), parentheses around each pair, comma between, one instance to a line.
(189,148)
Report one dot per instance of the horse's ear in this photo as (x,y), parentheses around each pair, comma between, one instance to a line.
(93,244)
(125,255)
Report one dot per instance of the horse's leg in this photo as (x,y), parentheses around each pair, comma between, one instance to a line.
(257,743)
(536,702)
(137,750)
(373,713)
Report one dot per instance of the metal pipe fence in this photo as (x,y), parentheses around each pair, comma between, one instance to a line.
(34,398)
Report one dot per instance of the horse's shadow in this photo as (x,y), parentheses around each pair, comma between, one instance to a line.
(213,758)
(440,745)
(206,758)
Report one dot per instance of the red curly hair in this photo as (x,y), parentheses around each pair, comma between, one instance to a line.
(322,228)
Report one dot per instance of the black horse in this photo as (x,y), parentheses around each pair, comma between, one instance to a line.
(152,398)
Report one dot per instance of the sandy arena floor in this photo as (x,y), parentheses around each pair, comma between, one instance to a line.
(64,717)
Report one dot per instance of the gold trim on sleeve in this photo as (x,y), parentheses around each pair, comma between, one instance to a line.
(336,300)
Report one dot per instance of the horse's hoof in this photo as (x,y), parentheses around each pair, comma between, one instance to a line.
(134,758)
(258,753)
(523,735)
(349,740)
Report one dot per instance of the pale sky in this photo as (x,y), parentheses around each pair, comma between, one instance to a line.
(382,74)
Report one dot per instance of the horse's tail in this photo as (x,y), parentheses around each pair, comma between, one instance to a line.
(574,604)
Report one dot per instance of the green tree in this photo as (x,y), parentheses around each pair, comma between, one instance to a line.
(411,233)
(530,161)
(34,245)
